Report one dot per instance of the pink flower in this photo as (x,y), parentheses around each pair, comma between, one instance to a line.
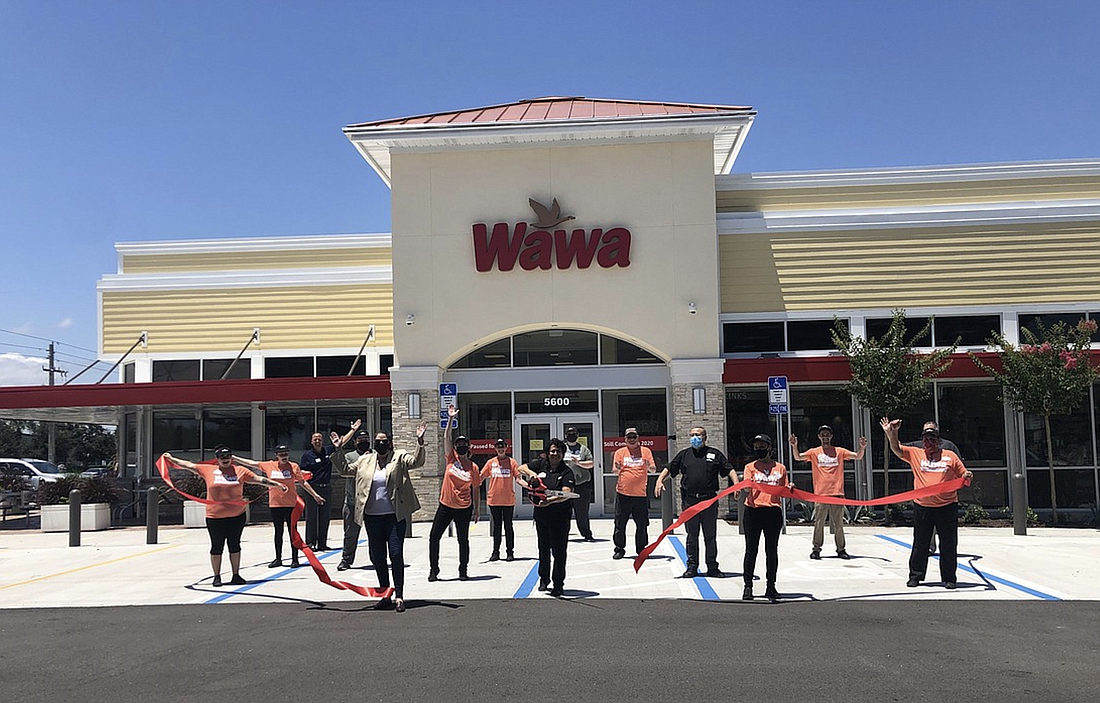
(1045,347)
(1087,325)
(1027,348)
(1071,363)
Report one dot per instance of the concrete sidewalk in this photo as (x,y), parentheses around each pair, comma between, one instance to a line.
(117,567)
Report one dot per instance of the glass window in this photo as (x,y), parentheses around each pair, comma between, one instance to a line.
(288,367)
(970,330)
(911,424)
(187,370)
(1076,488)
(744,337)
(555,348)
(988,489)
(335,416)
(340,365)
(385,363)
(810,334)
(646,409)
(811,408)
(1032,321)
(877,326)
(1071,439)
(230,425)
(496,354)
(291,426)
(213,369)
(128,373)
(619,351)
(484,417)
(177,431)
(556,402)
(972,416)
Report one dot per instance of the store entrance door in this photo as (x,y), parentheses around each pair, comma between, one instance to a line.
(534,433)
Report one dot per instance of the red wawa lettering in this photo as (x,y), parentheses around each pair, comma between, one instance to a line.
(539,249)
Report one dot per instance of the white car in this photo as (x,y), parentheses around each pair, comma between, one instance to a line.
(33,471)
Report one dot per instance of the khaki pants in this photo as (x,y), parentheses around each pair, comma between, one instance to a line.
(835,513)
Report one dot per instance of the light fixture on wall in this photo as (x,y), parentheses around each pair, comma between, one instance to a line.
(410,319)
(692,309)
(699,401)
(414,406)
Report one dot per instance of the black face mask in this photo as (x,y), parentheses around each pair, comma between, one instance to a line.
(462,449)
(382,446)
(761,453)
(362,447)
(572,439)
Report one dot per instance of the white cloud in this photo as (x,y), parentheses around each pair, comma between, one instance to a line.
(19,370)
(24,328)
(65,324)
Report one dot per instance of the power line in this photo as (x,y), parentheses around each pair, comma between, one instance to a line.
(46,339)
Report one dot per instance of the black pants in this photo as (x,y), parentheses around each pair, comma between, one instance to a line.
(502,522)
(385,533)
(351,529)
(281,518)
(769,522)
(580,508)
(708,521)
(945,521)
(552,529)
(626,508)
(317,515)
(444,516)
(225,529)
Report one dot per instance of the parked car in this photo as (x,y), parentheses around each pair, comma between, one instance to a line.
(33,471)
(94,471)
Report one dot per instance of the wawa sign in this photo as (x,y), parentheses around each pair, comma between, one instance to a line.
(542,245)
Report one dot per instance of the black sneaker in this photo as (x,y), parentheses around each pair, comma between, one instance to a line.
(589,538)
(295,564)
(618,555)
(747,594)
(510,557)
(275,564)
(843,554)
(691,572)
(715,573)
(343,566)
(494,557)
(463,576)
(815,554)
(912,583)
(543,585)
(771,594)
(950,585)
(237,580)
(217,581)
(557,592)
(433,576)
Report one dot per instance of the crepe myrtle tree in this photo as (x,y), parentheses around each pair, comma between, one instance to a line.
(1048,374)
(888,375)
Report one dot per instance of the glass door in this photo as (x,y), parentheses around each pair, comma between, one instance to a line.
(534,433)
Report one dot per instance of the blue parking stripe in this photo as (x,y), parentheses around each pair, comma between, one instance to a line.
(274,577)
(700,582)
(991,577)
(528,585)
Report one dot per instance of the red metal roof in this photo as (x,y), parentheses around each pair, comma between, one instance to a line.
(556,108)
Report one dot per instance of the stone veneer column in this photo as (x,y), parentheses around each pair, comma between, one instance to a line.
(428,478)
(687,375)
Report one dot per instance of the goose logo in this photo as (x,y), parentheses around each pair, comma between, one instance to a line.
(544,244)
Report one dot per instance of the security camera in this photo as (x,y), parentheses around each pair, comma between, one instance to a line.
(410,319)
(692,309)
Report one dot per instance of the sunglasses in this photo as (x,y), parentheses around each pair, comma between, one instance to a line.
(632,436)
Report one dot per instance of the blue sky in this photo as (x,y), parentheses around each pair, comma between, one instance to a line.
(155,120)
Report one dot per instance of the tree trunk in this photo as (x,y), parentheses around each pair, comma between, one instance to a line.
(885,481)
(1050,470)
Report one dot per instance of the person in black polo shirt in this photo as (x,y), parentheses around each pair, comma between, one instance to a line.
(317,460)
(700,467)
(552,514)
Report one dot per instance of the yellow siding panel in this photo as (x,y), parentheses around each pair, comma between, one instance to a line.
(256,260)
(222,319)
(905,268)
(837,197)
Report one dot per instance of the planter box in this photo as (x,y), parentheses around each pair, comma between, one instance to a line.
(93,517)
(194,514)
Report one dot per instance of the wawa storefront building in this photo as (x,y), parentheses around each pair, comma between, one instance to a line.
(594,263)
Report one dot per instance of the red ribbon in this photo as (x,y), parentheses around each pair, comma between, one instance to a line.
(784,492)
(296,540)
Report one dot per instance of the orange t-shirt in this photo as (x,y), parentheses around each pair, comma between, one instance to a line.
(632,470)
(828,470)
(502,474)
(223,488)
(459,480)
(275,497)
(929,473)
(776,477)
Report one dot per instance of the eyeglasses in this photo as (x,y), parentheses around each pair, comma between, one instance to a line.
(282,453)
(632,436)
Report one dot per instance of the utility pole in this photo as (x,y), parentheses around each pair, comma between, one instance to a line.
(51,429)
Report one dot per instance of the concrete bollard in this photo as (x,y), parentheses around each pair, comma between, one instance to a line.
(668,506)
(152,515)
(1019,504)
(74,518)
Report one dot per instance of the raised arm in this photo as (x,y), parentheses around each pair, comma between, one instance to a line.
(416,459)
(890,427)
(793,439)
(862,448)
(246,462)
(448,445)
(250,477)
(181,463)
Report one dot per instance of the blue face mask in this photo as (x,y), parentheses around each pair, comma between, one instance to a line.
(696,442)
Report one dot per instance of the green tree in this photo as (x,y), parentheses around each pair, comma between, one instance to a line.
(1050,373)
(77,446)
(888,375)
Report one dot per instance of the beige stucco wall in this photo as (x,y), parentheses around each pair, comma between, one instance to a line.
(662,192)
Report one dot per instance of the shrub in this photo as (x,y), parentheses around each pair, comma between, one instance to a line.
(12,481)
(94,489)
(975,514)
(1033,518)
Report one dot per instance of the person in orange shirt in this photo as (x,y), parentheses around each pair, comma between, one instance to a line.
(281,502)
(632,464)
(827,464)
(457,501)
(224,521)
(931,464)
(501,472)
(763,515)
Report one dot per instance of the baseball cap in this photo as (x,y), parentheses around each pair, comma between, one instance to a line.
(824,428)
(363,434)
(501,442)
(222,450)
(763,438)
(281,449)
